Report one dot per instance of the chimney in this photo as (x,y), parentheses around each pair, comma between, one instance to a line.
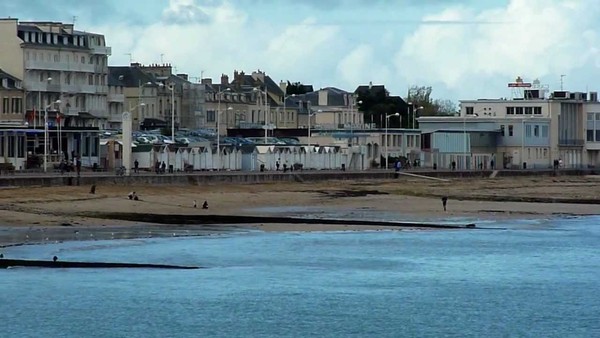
(283,86)
(207,81)
(224,80)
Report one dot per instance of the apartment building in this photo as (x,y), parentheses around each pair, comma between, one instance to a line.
(244,102)
(57,62)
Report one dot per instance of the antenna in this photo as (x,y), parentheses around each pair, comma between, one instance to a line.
(130,57)
(74,19)
(201,75)
(561,81)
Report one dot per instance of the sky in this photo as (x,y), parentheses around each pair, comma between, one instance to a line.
(463,49)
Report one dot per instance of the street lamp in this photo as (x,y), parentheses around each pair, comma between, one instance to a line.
(219,123)
(309,116)
(386,137)
(126,130)
(266,111)
(46,133)
(414,119)
(465,136)
(284,99)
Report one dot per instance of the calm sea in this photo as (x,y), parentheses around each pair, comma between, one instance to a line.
(535,279)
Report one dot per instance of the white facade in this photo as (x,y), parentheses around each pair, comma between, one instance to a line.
(67,65)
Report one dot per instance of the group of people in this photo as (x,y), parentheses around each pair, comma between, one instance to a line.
(160,168)
(67,166)
(133,196)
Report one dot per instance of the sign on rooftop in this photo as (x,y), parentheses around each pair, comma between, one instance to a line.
(519,83)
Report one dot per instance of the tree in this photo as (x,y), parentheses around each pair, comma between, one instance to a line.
(420,96)
(296,88)
(445,107)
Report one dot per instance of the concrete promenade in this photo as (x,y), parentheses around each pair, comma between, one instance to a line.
(19,179)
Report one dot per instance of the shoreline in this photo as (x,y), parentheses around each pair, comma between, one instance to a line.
(44,214)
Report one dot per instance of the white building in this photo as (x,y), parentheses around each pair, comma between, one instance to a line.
(530,130)
(56,62)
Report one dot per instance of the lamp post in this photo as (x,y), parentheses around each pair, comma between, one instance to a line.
(266,105)
(284,99)
(219,124)
(415,111)
(172,88)
(46,134)
(387,117)
(309,136)
(126,128)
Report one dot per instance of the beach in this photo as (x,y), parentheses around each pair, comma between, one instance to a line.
(59,213)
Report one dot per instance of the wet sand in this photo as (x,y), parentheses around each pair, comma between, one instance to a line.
(65,213)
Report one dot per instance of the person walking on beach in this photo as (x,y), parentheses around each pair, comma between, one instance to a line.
(205,205)
(136,165)
(444,202)
(277,164)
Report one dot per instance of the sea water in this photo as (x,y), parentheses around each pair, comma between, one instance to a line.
(533,279)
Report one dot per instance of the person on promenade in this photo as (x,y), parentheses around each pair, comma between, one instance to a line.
(157,167)
(444,202)
(136,165)
(277,164)
(78,166)
(205,205)
(163,167)
(195,205)
(54,259)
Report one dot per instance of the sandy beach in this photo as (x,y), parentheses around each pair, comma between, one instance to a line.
(72,212)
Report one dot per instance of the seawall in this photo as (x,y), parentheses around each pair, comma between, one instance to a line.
(202,178)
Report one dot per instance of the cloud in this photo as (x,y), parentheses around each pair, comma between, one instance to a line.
(541,38)
(361,66)
(185,12)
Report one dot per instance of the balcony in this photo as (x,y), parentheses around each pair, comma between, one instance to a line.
(60,66)
(113,97)
(101,50)
(70,111)
(571,142)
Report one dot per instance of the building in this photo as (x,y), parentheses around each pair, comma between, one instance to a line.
(140,94)
(57,62)
(330,108)
(530,130)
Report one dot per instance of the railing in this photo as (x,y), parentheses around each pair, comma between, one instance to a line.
(103,50)
(112,97)
(60,66)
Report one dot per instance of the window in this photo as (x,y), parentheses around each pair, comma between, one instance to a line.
(469,110)
(527,131)
(1,145)
(6,105)
(11,146)
(544,131)
(502,130)
(510,130)
(68,79)
(16,105)
(83,59)
(519,110)
(21,146)
(95,146)
(86,146)
(537,110)
(56,58)
(210,116)
(536,131)
(597,135)
(590,135)
(528,110)
(510,110)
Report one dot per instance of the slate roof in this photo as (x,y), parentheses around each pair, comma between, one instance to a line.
(374,89)
(127,76)
(12,81)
